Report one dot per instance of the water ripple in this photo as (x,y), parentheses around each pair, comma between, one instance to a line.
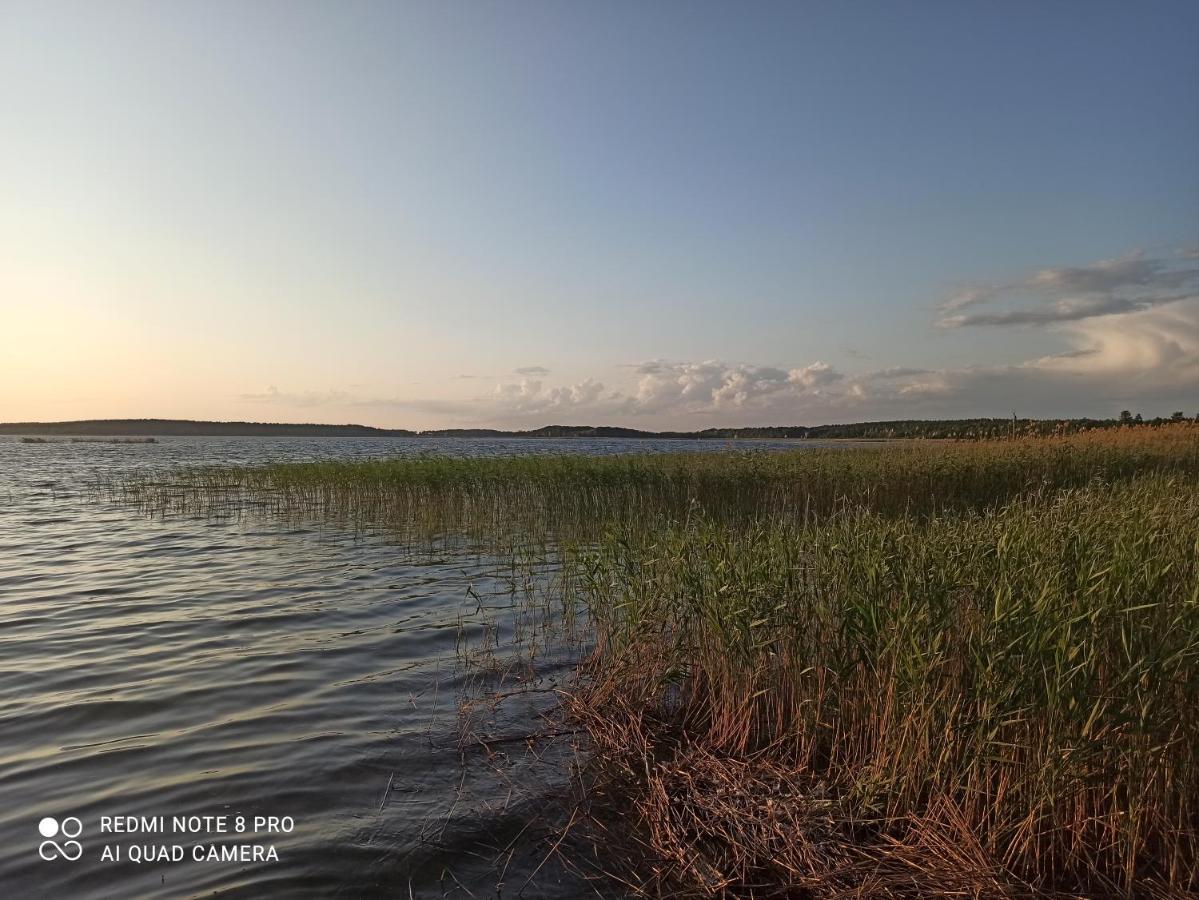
(195,666)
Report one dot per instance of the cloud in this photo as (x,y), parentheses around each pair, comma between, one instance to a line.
(672,388)
(532,370)
(530,396)
(720,392)
(1146,356)
(1107,275)
(1109,287)
(969,296)
(707,386)
(894,372)
(1156,348)
(814,375)
(1070,310)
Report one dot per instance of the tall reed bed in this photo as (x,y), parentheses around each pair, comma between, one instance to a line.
(902,671)
(996,703)
(578,496)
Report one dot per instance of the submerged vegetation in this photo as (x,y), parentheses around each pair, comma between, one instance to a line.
(909,670)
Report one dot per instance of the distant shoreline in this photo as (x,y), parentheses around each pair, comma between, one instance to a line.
(860,431)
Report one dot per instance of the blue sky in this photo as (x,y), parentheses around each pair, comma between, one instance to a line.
(656,214)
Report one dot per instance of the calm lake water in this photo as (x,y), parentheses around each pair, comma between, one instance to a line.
(238,667)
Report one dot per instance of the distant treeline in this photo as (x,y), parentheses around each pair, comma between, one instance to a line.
(974,429)
(961,429)
(957,429)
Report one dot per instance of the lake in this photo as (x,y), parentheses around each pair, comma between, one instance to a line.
(329,691)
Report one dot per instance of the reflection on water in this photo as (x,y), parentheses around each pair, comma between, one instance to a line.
(222,667)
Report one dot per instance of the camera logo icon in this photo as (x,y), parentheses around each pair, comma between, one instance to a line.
(50,828)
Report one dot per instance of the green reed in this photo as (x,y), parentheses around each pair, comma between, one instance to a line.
(577,496)
(905,670)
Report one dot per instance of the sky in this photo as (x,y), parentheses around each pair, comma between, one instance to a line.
(660,215)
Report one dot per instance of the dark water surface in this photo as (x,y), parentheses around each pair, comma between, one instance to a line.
(245,668)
